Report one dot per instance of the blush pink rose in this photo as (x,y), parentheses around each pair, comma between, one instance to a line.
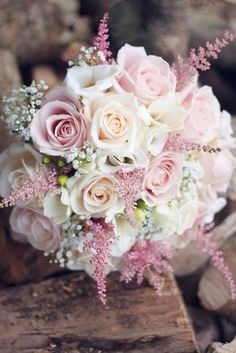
(218,170)
(163,177)
(147,76)
(30,225)
(202,121)
(59,125)
(186,94)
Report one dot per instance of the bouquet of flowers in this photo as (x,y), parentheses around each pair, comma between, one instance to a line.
(122,165)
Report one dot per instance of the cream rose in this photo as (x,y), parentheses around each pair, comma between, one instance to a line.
(57,206)
(31,225)
(94,194)
(114,123)
(17,163)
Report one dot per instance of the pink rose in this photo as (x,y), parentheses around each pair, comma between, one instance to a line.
(186,94)
(29,224)
(203,118)
(163,177)
(59,125)
(147,76)
(218,170)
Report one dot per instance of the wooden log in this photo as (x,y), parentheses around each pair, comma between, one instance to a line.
(45,29)
(63,315)
(213,291)
(218,347)
(10,78)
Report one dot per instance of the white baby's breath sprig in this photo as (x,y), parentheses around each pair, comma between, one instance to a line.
(20,107)
(83,160)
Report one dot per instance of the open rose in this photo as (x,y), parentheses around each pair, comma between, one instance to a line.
(94,194)
(59,125)
(203,118)
(163,177)
(147,76)
(17,163)
(29,224)
(114,123)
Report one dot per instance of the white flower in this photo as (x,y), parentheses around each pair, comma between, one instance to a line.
(114,123)
(18,162)
(109,163)
(165,110)
(126,236)
(56,206)
(91,81)
(167,217)
(94,194)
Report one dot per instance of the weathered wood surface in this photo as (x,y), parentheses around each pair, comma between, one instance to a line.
(38,30)
(63,315)
(213,290)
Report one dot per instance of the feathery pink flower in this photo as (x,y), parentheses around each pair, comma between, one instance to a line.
(207,245)
(177,143)
(101,41)
(199,59)
(33,189)
(145,255)
(128,187)
(103,236)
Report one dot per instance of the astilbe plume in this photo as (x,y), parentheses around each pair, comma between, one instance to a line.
(33,188)
(147,255)
(128,187)
(101,41)
(100,244)
(177,143)
(208,246)
(198,60)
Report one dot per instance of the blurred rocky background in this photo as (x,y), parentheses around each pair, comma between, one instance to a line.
(38,37)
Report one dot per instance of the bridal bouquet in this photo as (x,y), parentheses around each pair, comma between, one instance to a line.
(122,165)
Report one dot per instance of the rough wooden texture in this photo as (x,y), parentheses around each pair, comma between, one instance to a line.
(10,78)
(38,30)
(63,315)
(222,348)
(213,290)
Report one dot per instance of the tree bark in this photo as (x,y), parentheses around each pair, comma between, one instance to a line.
(63,315)
(218,347)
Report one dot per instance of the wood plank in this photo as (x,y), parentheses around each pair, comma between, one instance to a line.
(63,314)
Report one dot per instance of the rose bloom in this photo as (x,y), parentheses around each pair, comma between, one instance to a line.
(17,163)
(29,224)
(94,194)
(114,123)
(147,76)
(218,169)
(91,81)
(59,125)
(163,177)
(202,121)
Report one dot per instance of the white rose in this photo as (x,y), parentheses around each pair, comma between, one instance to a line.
(30,224)
(110,164)
(114,123)
(18,162)
(91,81)
(167,217)
(56,206)
(94,195)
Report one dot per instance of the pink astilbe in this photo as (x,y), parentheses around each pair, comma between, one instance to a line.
(177,143)
(100,244)
(147,255)
(208,246)
(128,187)
(101,41)
(33,188)
(199,59)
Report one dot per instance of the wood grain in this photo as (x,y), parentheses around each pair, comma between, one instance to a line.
(63,315)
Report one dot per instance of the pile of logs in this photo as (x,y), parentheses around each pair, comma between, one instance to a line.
(45,309)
